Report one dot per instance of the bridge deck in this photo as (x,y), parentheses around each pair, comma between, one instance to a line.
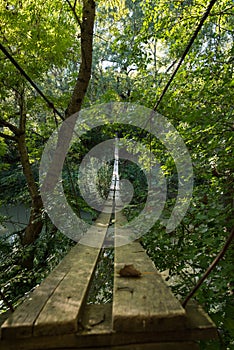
(144,313)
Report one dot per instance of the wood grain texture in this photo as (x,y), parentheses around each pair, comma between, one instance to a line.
(20,323)
(155,346)
(145,303)
(146,346)
(54,306)
(63,309)
(144,314)
(96,329)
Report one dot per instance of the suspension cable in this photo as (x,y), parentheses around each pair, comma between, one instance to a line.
(181,60)
(49,103)
(188,47)
(27,77)
(210,268)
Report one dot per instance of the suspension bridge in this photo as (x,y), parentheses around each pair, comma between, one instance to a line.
(143,314)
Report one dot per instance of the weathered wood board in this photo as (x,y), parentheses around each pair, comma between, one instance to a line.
(61,312)
(146,346)
(149,346)
(54,307)
(144,314)
(142,303)
(97,329)
(20,323)
(154,346)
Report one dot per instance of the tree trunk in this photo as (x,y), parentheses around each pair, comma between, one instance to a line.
(74,106)
(35,224)
(84,75)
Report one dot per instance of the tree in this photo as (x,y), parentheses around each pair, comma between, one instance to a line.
(35,224)
(136,47)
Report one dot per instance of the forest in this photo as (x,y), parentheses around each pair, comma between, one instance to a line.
(174,58)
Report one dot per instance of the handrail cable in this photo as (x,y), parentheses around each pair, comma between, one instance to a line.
(182,58)
(188,47)
(210,268)
(27,77)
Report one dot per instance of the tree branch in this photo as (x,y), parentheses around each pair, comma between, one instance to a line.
(73,8)
(22,121)
(6,302)
(8,137)
(26,76)
(10,126)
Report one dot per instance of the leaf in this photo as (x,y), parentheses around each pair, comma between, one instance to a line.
(129,271)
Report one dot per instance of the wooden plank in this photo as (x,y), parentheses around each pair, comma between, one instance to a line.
(122,237)
(149,346)
(39,313)
(20,323)
(145,303)
(198,323)
(146,346)
(62,311)
(154,346)
(97,323)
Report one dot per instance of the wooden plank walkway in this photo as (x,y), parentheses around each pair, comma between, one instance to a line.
(96,331)
(143,303)
(55,306)
(144,314)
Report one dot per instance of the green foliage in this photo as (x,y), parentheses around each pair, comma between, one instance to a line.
(136,176)
(104,176)
(48,251)
(13,186)
(136,46)
(102,287)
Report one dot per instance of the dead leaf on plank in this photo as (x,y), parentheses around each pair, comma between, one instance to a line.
(129,271)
